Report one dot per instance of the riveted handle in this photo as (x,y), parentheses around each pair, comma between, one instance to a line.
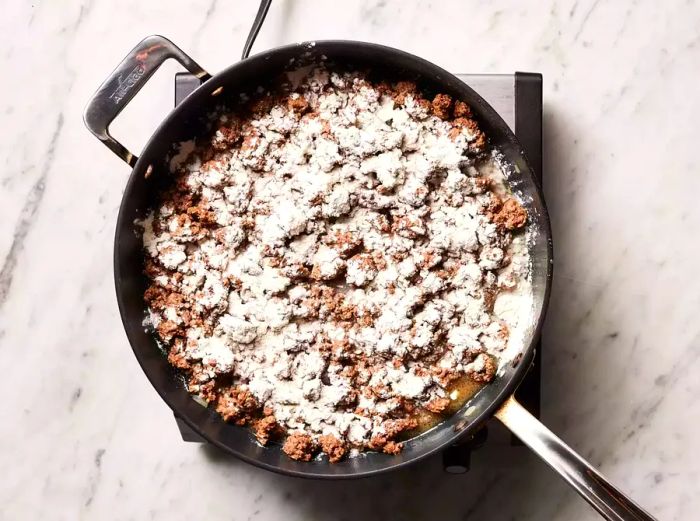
(125,81)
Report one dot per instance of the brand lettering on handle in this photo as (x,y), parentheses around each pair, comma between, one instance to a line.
(125,84)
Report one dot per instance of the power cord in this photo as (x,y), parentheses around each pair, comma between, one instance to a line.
(257,24)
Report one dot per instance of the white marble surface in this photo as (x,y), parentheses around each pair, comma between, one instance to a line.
(84,436)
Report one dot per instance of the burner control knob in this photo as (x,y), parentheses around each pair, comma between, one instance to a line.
(456,459)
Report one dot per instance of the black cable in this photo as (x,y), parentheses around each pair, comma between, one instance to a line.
(257,24)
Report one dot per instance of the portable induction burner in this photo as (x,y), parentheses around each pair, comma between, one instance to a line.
(518,99)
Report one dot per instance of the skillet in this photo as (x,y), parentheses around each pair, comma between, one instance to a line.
(185,122)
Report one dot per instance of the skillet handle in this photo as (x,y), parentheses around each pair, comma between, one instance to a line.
(588,482)
(125,81)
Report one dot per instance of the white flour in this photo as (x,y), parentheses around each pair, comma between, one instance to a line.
(378,201)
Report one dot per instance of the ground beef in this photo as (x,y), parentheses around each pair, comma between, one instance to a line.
(299,446)
(403,89)
(298,104)
(486,374)
(462,110)
(236,405)
(372,231)
(508,214)
(395,427)
(392,447)
(378,441)
(441,105)
(265,428)
(438,405)
(333,447)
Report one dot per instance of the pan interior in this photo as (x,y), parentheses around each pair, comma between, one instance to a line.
(186,122)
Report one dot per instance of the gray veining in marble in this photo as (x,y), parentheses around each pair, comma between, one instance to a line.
(84,436)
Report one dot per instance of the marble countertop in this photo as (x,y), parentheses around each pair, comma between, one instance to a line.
(84,435)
